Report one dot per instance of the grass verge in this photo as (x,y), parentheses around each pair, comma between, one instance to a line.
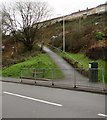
(81,58)
(40,61)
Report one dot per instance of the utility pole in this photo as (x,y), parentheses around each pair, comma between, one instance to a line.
(63,34)
(63,47)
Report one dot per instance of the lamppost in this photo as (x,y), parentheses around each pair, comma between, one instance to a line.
(63,32)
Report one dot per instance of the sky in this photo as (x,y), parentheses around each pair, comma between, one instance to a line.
(65,7)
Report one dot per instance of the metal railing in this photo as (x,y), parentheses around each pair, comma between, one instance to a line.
(65,54)
(76,77)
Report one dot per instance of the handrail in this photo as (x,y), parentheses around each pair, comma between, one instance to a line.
(65,53)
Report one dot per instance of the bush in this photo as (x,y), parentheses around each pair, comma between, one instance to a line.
(17,58)
(97,53)
(99,35)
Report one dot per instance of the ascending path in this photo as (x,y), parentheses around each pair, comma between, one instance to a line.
(60,62)
(68,70)
(71,76)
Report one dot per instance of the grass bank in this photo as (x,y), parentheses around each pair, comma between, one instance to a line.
(40,61)
(82,59)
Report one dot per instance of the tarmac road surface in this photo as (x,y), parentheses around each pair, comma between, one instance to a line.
(27,101)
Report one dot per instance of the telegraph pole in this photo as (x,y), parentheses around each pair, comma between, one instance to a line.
(63,34)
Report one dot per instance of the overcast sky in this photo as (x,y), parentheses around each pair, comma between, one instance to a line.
(65,7)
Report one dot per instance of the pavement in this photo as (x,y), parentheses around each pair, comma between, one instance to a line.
(71,76)
(61,63)
(56,84)
(26,101)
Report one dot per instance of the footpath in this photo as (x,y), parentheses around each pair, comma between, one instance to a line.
(72,79)
(71,76)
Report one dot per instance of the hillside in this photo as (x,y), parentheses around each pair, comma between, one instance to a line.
(43,63)
(86,35)
(83,35)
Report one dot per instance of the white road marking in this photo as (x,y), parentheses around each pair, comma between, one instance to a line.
(102,115)
(43,101)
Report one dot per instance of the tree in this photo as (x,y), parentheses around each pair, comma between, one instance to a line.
(22,20)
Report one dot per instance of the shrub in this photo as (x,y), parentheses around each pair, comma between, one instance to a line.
(99,35)
(97,53)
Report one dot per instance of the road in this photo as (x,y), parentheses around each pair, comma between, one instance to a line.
(26,101)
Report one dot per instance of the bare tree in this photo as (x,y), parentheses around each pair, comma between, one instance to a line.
(22,20)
